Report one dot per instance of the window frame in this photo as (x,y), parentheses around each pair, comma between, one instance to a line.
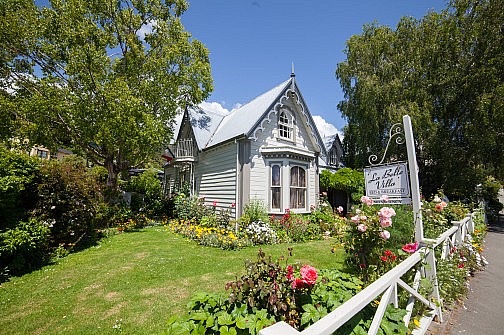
(285,125)
(299,189)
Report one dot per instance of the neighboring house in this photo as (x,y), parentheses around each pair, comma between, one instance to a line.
(44,153)
(266,150)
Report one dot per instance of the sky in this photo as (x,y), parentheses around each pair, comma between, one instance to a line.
(253,44)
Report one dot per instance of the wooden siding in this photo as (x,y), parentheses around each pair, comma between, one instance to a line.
(216,177)
(259,173)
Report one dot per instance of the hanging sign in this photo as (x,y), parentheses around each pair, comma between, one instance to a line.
(388,183)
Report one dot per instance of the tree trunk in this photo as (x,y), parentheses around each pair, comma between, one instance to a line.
(112,173)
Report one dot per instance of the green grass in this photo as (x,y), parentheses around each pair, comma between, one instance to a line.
(139,278)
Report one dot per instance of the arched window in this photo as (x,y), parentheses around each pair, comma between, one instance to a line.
(297,187)
(285,126)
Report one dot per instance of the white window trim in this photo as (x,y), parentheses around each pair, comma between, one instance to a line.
(289,126)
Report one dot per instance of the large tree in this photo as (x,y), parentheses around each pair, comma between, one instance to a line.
(105,77)
(446,71)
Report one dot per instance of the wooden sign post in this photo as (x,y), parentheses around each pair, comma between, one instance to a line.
(413,171)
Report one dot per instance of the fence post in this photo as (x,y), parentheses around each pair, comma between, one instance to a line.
(430,272)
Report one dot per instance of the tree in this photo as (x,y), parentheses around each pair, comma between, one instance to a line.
(447,72)
(105,77)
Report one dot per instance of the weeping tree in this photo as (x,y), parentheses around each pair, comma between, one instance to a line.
(104,77)
(446,71)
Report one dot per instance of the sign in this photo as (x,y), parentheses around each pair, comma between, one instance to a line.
(389,180)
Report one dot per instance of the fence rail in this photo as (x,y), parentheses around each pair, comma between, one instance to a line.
(387,286)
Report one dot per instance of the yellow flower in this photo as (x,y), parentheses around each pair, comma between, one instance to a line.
(416,322)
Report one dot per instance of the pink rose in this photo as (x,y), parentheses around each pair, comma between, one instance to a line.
(439,207)
(215,203)
(363,217)
(339,209)
(385,222)
(309,274)
(385,235)
(410,247)
(362,228)
(355,219)
(366,200)
(387,212)
(384,198)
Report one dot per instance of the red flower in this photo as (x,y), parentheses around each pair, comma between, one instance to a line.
(298,283)
(388,253)
(384,258)
(461,265)
(362,266)
(309,274)
(290,272)
(215,203)
(410,247)
(393,258)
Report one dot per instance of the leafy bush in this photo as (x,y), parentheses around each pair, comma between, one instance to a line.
(190,208)
(19,175)
(24,247)
(254,211)
(345,179)
(69,197)
(296,228)
(147,194)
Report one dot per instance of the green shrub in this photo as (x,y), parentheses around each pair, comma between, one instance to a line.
(190,208)
(69,199)
(254,211)
(19,175)
(24,247)
(296,228)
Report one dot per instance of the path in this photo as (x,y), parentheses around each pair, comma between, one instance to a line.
(483,311)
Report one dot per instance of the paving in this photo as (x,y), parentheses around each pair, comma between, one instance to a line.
(482,313)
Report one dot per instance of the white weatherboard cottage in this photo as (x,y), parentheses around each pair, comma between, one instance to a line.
(268,150)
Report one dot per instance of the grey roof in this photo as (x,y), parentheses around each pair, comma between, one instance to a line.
(212,128)
(240,121)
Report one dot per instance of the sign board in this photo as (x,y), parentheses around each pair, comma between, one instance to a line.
(389,180)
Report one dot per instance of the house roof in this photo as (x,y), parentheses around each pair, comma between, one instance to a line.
(211,128)
(240,121)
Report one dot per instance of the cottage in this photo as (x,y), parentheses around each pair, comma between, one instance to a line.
(268,149)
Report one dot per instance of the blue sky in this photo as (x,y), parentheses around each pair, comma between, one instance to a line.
(253,43)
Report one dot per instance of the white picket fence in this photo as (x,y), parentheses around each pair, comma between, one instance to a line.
(387,286)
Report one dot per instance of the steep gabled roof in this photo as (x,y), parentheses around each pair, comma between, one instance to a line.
(211,128)
(241,120)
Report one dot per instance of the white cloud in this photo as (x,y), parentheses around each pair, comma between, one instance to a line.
(214,107)
(325,128)
(146,29)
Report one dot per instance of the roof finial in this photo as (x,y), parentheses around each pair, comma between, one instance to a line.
(292,71)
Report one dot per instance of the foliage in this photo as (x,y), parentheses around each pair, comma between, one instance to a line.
(270,289)
(345,179)
(190,208)
(24,247)
(490,193)
(149,194)
(417,69)
(86,73)
(69,197)
(438,215)
(254,211)
(19,175)
(295,228)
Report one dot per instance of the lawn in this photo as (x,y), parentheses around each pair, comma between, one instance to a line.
(131,283)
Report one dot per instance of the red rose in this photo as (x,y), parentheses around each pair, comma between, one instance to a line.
(309,274)
(388,253)
(298,283)
(384,258)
